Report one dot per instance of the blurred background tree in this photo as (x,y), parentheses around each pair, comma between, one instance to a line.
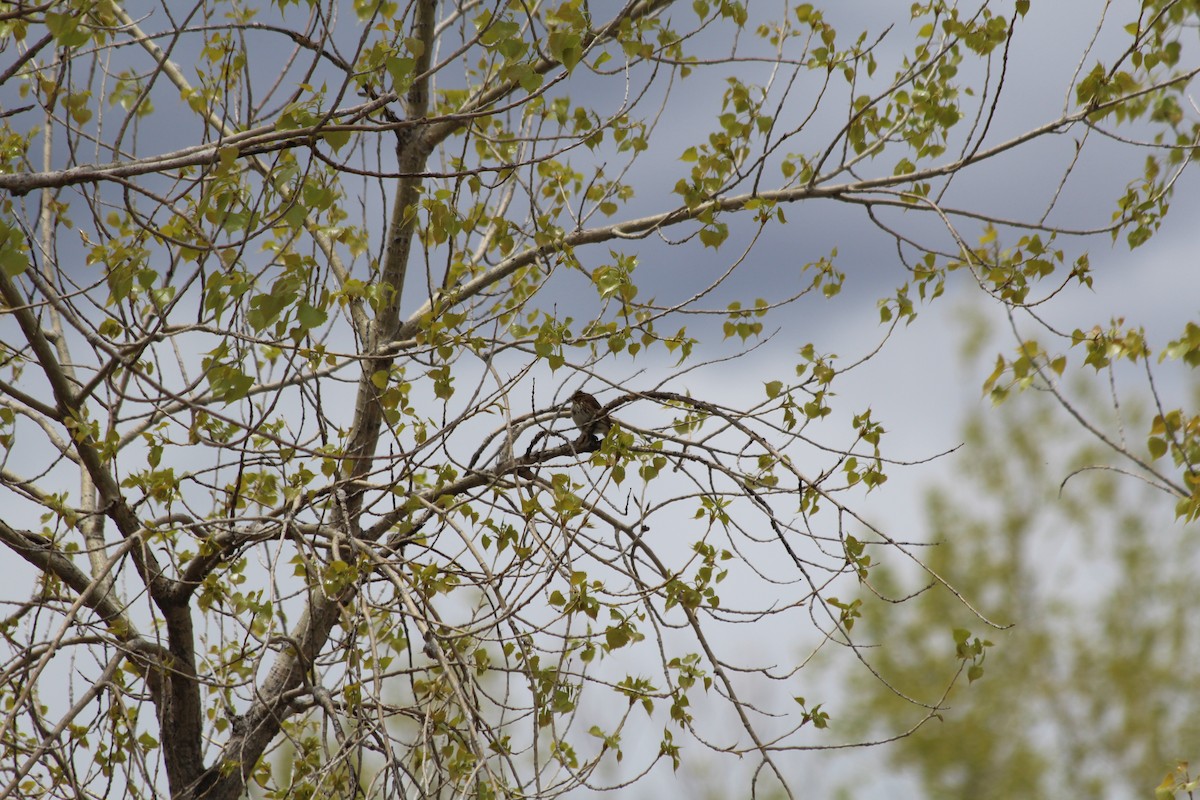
(1093,691)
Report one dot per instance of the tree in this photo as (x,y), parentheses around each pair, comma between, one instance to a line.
(287,458)
(1089,691)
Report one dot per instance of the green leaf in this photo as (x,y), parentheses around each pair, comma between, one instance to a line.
(228,382)
(310,316)
(1157,447)
(566,48)
(336,139)
(13,257)
(714,234)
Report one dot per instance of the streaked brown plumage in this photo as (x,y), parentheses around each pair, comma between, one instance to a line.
(588,415)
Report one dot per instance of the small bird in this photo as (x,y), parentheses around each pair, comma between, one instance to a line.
(588,415)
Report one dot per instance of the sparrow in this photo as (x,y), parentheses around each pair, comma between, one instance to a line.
(588,416)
